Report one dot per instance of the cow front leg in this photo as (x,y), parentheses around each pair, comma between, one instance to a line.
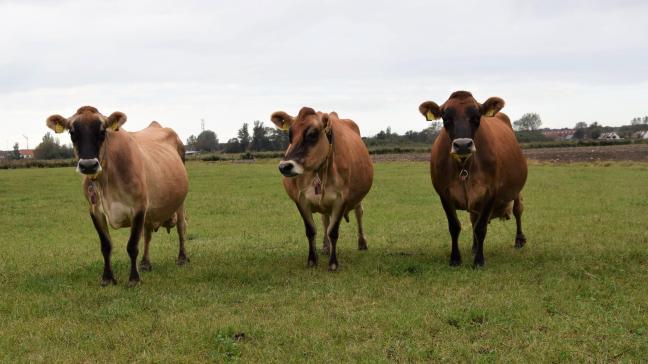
(333,234)
(518,207)
(454,226)
(100,224)
(137,225)
(309,225)
(362,241)
(326,243)
(145,263)
(479,232)
(473,221)
(182,236)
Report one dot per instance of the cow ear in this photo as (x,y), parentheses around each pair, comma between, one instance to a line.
(115,121)
(430,110)
(282,120)
(327,120)
(58,123)
(492,106)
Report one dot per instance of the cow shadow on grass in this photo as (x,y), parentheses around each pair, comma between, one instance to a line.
(274,267)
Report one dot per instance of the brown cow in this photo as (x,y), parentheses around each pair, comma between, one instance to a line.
(327,169)
(135,180)
(476,165)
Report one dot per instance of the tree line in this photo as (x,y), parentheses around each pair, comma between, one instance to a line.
(262,138)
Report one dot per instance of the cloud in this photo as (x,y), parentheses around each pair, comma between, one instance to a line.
(374,61)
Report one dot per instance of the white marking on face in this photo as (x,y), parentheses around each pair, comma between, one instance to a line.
(298,168)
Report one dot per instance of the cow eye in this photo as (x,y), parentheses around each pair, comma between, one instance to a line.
(102,134)
(73,136)
(313,135)
(290,134)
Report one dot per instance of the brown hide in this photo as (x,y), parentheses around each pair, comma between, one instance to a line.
(351,171)
(143,171)
(498,168)
(334,176)
(133,179)
(476,165)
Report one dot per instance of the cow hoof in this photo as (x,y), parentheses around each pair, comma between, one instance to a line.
(455,262)
(182,260)
(478,263)
(362,244)
(145,266)
(520,240)
(333,267)
(108,281)
(312,263)
(133,282)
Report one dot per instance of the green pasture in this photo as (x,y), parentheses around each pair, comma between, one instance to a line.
(578,292)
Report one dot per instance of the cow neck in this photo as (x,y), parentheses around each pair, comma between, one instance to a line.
(322,178)
(464,175)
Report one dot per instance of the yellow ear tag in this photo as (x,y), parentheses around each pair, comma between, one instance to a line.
(285,126)
(430,116)
(490,113)
(58,128)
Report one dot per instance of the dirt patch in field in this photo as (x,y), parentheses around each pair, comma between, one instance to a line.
(630,152)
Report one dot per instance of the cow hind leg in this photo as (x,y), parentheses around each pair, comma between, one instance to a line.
(137,225)
(362,241)
(182,236)
(100,224)
(309,225)
(326,243)
(454,226)
(518,208)
(145,263)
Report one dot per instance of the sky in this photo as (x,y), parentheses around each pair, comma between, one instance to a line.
(230,62)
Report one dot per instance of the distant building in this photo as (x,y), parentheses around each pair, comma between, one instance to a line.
(27,154)
(559,134)
(643,134)
(610,136)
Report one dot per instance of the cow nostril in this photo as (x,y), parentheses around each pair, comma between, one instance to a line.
(285,167)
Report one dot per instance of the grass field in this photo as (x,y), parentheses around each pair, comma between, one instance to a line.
(577,292)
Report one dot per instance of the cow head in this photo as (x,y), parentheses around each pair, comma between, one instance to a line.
(461,116)
(310,138)
(88,129)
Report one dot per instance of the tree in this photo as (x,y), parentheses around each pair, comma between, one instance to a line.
(580,133)
(206,141)
(233,146)
(244,136)
(580,125)
(529,121)
(645,120)
(15,154)
(51,148)
(191,142)
(278,138)
(594,130)
(260,140)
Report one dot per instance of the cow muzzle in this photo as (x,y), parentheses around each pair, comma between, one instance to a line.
(462,148)
(89,166)
(290,168)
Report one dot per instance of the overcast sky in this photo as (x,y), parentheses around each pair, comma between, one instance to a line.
(374,61)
